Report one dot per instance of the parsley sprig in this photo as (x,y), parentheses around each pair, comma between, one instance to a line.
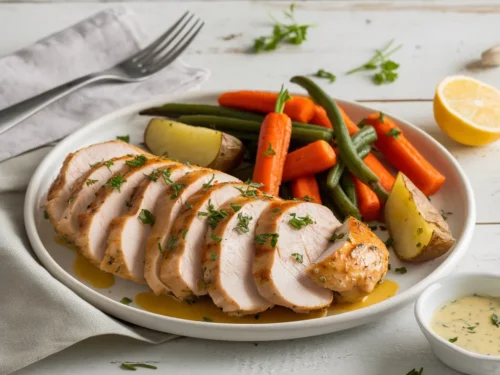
(243,221)
(262,238)
(138,161)
(300,222)
(387,69)
(321,73)
(291,32)
(116,182)
(213,215)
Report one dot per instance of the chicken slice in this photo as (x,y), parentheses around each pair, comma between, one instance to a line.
(168,207)
(128,233)
(353,264)
(229,256)
(289,237)
(112,200)
(181,269)
(75,166)
(84,193)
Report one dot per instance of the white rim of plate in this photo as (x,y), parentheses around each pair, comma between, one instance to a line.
(399,300)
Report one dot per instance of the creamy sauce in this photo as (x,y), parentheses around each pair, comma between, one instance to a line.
(204,310)
(468,323)
(86,271)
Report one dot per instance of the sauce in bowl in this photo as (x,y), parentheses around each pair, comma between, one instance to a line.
(472,323)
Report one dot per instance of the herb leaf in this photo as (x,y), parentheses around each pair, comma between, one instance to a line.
(388,242)
(214,256)
(215,238)
(108,164)
(300,222)
(243,221)
(394,133)
(209,183)
(253,184)
(132,366)
(214,216)
(248,192)
(321,73)
(416,372)
(146,217)
(160,249)
(116,182)
(401,270)
(206,319)
(262,238)
(336,236)
(299,258)
(184,233)
(138,161)
(177,188)
(235,207)
(91,182)
(495,320)
(270,151)
(126,301)
(452,340)
(124,138)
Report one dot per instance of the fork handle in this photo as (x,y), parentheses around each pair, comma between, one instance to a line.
(13,115)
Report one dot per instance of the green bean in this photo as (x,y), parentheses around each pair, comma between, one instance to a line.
(347,185)
(326,197)
(347,151)
(344,204)
(226,124)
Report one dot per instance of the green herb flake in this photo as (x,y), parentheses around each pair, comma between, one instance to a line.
(160,249)
(209,183)
(416,372)
(270,151)
(321,73)
(214,216)
(336,236)
(116,182)
(153,176)
(276,210)
(108,164)
(235,207)
(45,214)
(91,182)
(214,256)
(300,222)
(171,242)
(96,164)
(146,217)
(262,238)
(299,258)
(394,133)
(372,227)
(126,301)
(184,233)
(388,242)
(243,222)
(322,279)
(128,204)
(124,138)
(132,366)
(137,162)
(445,214)
(215,238)
(401,270)
(206,319)
(495,320)
(452,340)
(253,184)
(189,207)
(248,192)
(419,244)
(176,188)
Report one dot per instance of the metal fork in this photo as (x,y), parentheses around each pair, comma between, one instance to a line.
(138,67)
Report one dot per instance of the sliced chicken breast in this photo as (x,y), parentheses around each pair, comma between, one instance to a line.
(84,192)
(169,206)
(181,269)
(289,237)
(353,264)
(229,255)
(75,166)
(128,233)
(112,200)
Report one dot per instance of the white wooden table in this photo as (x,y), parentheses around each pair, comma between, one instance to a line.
(439,38)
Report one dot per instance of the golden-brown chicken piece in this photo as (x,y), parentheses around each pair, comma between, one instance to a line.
(353,264)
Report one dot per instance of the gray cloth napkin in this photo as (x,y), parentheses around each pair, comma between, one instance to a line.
(38,315)
(89,46)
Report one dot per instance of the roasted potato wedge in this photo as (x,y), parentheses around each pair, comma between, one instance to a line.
(198,146)
(418,231)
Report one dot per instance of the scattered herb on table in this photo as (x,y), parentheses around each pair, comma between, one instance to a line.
(124,138)
(146,217)
(321,73)
(132,366)
(387,69)
(401,270)
(300,222)
(231,36)
(292,33)
(126,301)
(416,372)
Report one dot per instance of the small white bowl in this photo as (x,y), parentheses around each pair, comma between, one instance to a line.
(442,292)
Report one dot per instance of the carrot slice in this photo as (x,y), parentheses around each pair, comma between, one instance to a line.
(368,202)
(400,152)
(298,108)
(386,179)
(306,187)
(274,140)
(311,159)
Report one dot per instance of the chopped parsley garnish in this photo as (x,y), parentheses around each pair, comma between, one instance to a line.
(184,233)
(336,236)
(177,188)
(322,279)
(401,270)
(202,213)
(248,192)
(495,320)
(138,161)
(214,256)
(45,214)
(132,366)
(126,301)
(472,328)
(243,221)
(381,116)
(253,184)
(205,319)
(269,151)
(160,249)
(388,242)
(146,217)
(209,183)
(171,242)
(300,222)
(91,182)
(124,138)
(452,340)
(188,206)
(235,207)
(292,33)
(262,238)
(116,182)
(153,176)
(394,133)
(215,238)
(108,164)
(299,258)
(214,216)
(321,73)
(416,372)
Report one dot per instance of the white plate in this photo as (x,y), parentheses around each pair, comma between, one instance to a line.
(456,196)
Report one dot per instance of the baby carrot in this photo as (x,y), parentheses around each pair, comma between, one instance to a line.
(298,108)
(306,187)
(274,140)
(368,202)
(386,179)
(311,159)
(400,152)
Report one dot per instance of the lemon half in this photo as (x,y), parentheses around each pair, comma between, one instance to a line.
(468,110)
